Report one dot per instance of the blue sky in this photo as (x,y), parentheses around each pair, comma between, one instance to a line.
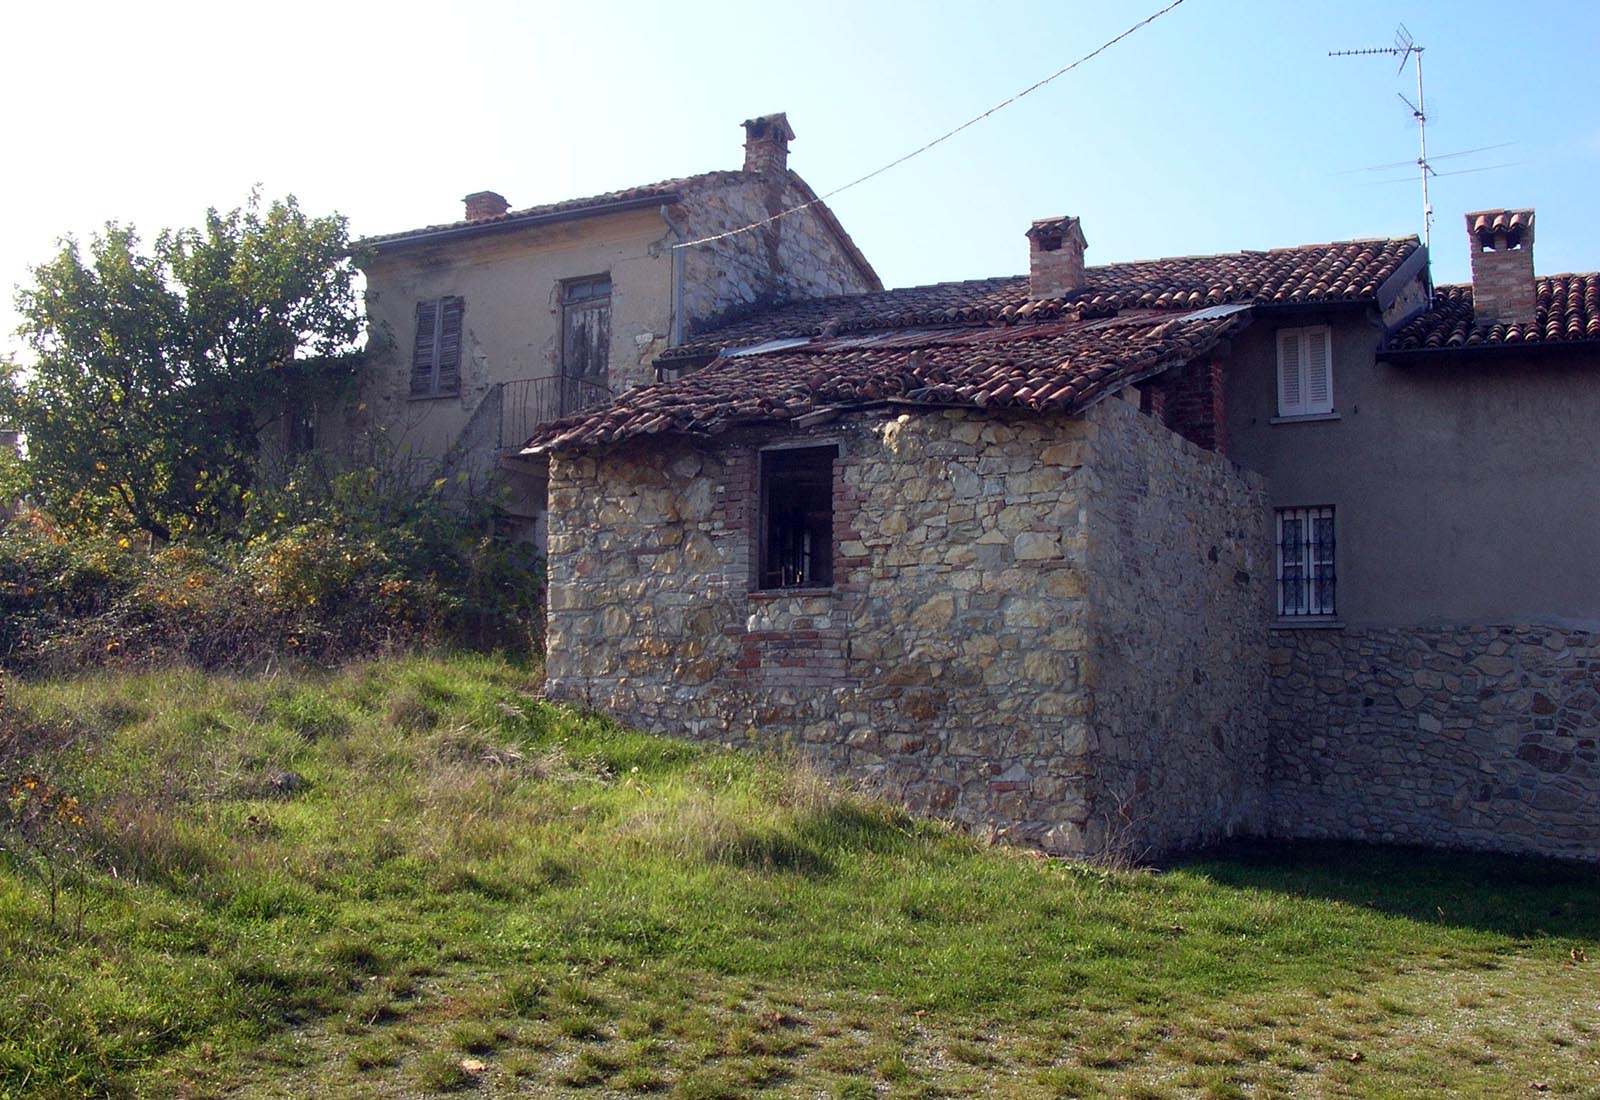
(1223,125)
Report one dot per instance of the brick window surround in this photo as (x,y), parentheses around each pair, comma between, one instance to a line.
(794,529)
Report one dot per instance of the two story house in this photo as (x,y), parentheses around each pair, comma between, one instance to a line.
(1129,557)
(484,328)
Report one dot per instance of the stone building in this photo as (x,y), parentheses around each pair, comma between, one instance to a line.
(484,328)
(1129,557)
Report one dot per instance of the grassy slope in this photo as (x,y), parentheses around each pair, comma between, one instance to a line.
(470,875)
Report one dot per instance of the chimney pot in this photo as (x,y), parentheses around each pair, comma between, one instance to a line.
(1503,288)
(766,144)
(1055,258)
(485,204)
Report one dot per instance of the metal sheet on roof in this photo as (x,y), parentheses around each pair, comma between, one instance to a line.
(1216,313)
(763,348)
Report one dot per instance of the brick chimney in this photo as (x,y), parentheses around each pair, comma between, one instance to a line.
(485,204)
(1055,258)
(766,144)
(1503,290)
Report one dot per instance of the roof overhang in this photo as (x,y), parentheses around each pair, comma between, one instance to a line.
(1490,353)
(514,222)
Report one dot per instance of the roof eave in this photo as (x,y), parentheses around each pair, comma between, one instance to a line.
(1401,357)
(508,224)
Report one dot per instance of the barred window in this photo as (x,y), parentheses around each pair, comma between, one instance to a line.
(796,532)
(1306,579)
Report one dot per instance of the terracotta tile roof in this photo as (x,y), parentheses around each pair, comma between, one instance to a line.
(665,190)
(1338,272)
(1568,310)
(1063,364)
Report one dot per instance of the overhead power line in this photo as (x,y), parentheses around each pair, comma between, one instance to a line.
(1091,55)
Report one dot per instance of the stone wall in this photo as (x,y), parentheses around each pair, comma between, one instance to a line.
(1180,575)
(942,665)
(1481,737)
(950,663)
(799,256)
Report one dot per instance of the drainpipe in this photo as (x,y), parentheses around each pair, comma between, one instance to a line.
(677,279)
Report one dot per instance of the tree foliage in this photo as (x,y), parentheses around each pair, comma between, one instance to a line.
(155,372)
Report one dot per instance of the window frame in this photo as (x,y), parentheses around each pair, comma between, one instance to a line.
(583,295)
(782,470)
(1308,585)
(1300,403)
(436,361)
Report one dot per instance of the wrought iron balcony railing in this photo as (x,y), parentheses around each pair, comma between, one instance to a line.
(529,402)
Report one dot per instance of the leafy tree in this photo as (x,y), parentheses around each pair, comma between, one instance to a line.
(156,372)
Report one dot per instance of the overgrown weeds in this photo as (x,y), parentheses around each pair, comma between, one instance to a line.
(344,571)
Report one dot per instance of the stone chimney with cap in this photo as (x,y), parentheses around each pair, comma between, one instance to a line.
(1055,258)
(1503,290)
(766,144)
(485,204)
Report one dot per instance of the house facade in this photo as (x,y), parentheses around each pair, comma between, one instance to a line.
(482,329)
(1121,558)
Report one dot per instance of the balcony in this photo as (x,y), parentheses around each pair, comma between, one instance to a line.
(529,402)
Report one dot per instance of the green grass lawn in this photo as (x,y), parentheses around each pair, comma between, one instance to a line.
(415,877)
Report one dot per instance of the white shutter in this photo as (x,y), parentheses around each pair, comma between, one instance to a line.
(1317,371)
(1291,392)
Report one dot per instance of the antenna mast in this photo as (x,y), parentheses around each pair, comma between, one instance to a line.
(1404,48)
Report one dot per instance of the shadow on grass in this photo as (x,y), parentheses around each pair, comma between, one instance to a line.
(809,844)
(1509,895)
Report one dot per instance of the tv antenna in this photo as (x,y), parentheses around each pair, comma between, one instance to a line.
(1404,48)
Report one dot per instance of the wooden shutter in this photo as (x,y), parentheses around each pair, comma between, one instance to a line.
(1317,371)
(424,348)
(586,329)
(449,374)
(1291,386)
(436,351)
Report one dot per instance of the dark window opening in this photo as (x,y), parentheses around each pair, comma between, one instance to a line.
(796,537)
(436,351)
(1306,580)
(299,431)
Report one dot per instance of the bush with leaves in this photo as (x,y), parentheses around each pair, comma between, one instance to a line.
(325,574)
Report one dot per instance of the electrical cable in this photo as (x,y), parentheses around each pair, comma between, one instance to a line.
(1104,46)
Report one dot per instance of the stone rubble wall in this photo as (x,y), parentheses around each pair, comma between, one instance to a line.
(943,664)
(1180,574)
(798,256)
(953,663)
(1481,737)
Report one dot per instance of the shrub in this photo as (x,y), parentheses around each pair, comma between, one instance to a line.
(336,571)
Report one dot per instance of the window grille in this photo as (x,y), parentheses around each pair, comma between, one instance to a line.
(1306,579)
(796,534)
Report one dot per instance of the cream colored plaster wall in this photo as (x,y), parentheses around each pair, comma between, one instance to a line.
(511,284)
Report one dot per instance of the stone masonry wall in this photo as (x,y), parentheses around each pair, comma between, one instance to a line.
(951,663)
(1180,572)
(795,257)
(1480,737)
(942,665)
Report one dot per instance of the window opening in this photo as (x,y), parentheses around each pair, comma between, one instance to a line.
(436,351)
(1306,580)
(1305,371)
(796,535)
(585,341)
